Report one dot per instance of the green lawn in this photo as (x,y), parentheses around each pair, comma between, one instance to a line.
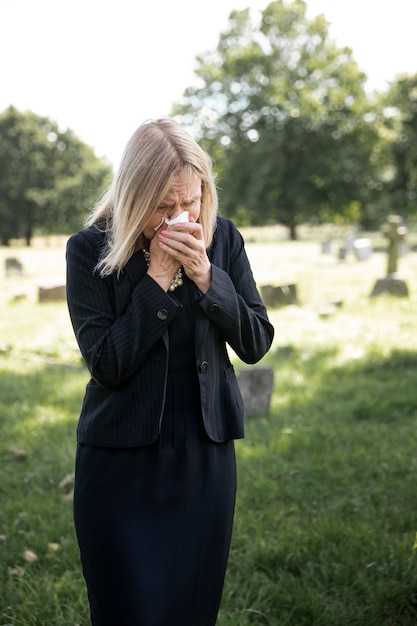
(326,516)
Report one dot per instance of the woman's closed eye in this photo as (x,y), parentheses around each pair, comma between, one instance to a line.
(166,209)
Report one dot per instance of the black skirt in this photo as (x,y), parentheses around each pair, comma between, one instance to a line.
(154,523)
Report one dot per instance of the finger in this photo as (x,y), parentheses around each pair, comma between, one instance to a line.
(193,229)
(183,243)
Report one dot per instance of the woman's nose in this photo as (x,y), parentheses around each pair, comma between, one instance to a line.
(174,212)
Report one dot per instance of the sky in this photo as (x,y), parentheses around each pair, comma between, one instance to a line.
(101,67)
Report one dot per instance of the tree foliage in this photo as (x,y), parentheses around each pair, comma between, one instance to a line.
(48,177)
(284,112)
(400,115)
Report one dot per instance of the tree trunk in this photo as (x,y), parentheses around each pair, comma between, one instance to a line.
(28,236)
(292,229)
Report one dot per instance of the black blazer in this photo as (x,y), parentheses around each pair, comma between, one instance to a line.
(121,328)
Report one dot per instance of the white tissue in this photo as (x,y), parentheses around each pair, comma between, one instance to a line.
(160,224)
(182,217)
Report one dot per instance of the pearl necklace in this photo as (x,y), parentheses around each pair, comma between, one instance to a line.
(177,281)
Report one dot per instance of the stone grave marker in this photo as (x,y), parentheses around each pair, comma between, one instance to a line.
(279,295)
(256,384)
(395,231)
(341,253)
(362,249)
(13,266)
(326,246)
(52,293)
(350,240)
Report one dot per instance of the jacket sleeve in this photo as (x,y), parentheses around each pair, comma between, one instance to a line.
(116,322)
(233,302)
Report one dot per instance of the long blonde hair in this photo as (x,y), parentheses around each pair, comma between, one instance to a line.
(155,153)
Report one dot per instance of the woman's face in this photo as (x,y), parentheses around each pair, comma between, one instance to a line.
(184,195)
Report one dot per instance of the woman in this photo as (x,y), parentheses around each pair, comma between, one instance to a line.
(153,300)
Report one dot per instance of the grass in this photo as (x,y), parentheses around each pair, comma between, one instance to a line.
(326,519)
(40,579)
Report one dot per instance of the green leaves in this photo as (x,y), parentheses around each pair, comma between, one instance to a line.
(282,109)
(48,177)
(400,115)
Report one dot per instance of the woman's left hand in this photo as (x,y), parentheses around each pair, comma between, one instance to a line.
(185,242)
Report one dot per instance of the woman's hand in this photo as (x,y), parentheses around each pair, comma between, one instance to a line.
(184,243)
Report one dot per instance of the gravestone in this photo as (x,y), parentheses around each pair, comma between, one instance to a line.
(350,240)
(347,246)
(393,284)
(341,255)
(326,246)
(362,249)
(279,295)
(13,266)
(256,384)
(395,231)
(52,293)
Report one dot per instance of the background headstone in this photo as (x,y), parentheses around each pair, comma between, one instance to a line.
(52,293)
(326,246)
(350,240)
(13,266)
(341,255)
(256,384)
(279,295)
(392,284)
(362,249)
(395,231)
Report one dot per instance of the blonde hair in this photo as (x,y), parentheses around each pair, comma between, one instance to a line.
(155,153)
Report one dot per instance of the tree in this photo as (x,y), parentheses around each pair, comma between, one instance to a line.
(48,177)
(284,112)
(400,120)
